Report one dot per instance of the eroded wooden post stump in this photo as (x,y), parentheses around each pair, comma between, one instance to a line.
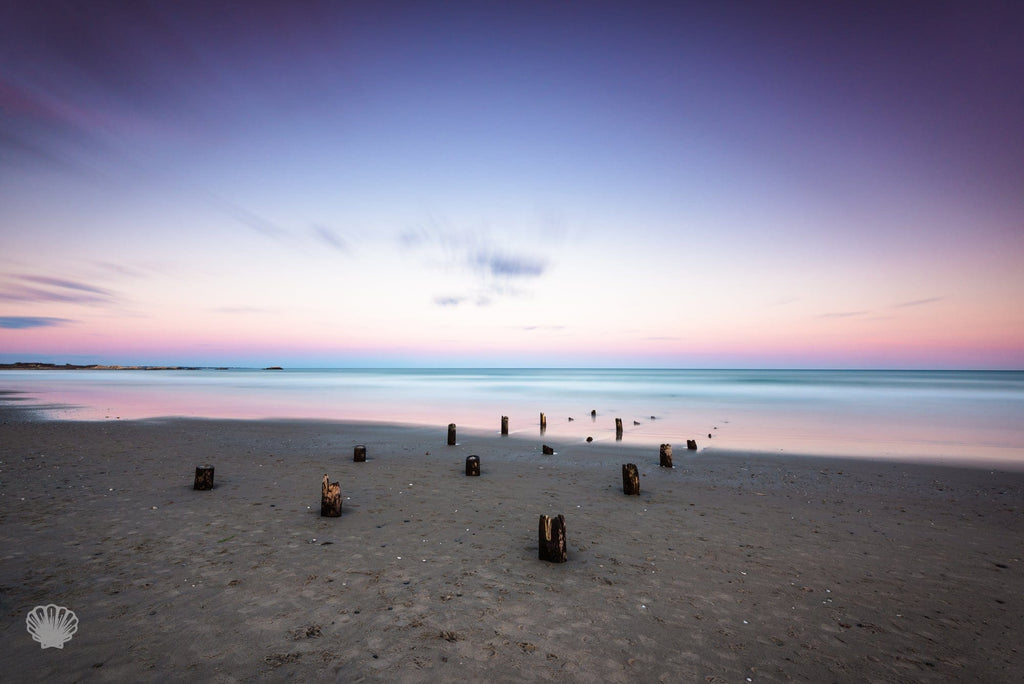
(691,444)
(359,453)
(546,450)
(451,434)
(504,425)
(665,453)
(543,423)
(551,539)
(630,479)
(618,429)
(204,478)
(330,498)
(472,465)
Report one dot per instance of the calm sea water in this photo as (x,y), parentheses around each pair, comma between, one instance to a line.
(943,415)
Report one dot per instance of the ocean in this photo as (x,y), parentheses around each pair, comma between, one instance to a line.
(975,416)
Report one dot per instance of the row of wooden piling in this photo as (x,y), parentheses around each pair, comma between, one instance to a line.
(551,529)
(690,443)
(204,473)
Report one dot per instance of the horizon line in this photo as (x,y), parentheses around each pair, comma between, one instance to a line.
(277,368)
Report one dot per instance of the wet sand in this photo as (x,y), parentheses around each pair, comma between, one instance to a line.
(728,566)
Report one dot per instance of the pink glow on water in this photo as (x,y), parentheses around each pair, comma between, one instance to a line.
(945,416)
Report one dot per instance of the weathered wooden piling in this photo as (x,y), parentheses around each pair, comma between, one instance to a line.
(691,444)
(546,450)
(543,423)
(204,478)
(359,453)
(451,434)
(630,479)
(551,539)
(330,498)
(504,425)
(472,465)
(618,429)
(665,453)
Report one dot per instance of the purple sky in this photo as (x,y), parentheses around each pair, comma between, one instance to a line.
(552,183)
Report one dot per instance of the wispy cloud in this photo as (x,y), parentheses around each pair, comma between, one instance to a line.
(494,271)
(66,284)
(233,310)
(844,314)
(120,269)
(255,222)
(502,265)
(867,312)
(43,128)
(46,289)
(26,322)
(473,250)
(331,238)
(918,302)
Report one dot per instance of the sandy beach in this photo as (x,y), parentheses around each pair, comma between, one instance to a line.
(729,567)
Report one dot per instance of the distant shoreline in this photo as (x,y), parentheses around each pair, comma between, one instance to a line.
(36,365)
(94,366)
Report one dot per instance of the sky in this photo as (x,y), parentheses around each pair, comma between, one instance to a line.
(548,184)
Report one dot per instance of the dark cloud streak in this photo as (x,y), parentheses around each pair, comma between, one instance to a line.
(66,284)
(492,268)
(47,289)
(509,266)
(28,322)
(34,294)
